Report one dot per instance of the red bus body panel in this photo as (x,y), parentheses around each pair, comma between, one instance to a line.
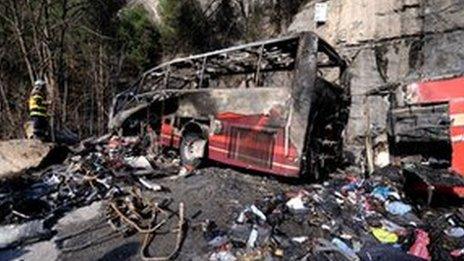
(452,92)
(246,141)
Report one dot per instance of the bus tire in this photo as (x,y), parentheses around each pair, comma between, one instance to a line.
(192,149)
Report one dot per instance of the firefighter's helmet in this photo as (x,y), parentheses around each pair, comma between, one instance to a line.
(39,86)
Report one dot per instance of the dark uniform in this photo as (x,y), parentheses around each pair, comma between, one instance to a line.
(38,114)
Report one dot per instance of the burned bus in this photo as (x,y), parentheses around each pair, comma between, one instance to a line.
(277,106)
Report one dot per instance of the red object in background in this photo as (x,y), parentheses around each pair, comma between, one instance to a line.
(452,92)
(419,248)
(438,91)
(456,111)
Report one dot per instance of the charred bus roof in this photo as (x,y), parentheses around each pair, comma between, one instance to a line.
(192,73)
(271,55)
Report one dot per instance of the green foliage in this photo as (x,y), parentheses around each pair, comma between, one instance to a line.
(254,23)
(183,26)
(285,10)
(139,38)
(226,26)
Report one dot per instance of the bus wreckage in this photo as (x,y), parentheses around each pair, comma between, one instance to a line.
(277,106)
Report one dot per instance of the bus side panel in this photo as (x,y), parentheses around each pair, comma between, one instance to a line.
(249,142)
(169,136)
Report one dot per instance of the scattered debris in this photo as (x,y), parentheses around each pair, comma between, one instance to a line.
(384,236)
(455,232)
(180,234)
(150,185)
(397,208)
(12,235)
(419,248)
(348,217)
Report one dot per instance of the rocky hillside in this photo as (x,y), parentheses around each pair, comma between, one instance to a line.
(387,42)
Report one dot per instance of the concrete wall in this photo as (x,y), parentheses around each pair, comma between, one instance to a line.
(389,41)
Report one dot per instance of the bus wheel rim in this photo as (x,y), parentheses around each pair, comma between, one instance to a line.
(195,149)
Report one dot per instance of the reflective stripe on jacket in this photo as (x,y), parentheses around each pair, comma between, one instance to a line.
(37,106)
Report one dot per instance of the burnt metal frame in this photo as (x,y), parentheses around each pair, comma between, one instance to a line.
(283,50)
(304,54)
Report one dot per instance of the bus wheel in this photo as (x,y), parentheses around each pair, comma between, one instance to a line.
(192,149)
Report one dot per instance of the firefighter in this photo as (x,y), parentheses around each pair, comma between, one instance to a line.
(38,110)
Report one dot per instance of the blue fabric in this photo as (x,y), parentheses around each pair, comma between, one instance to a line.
(381,192)
(398,208)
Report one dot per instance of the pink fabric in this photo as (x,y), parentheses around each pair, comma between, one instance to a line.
(419,248)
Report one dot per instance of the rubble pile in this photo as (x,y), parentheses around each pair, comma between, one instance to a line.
(100,169)
(134,214)
(347,218)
